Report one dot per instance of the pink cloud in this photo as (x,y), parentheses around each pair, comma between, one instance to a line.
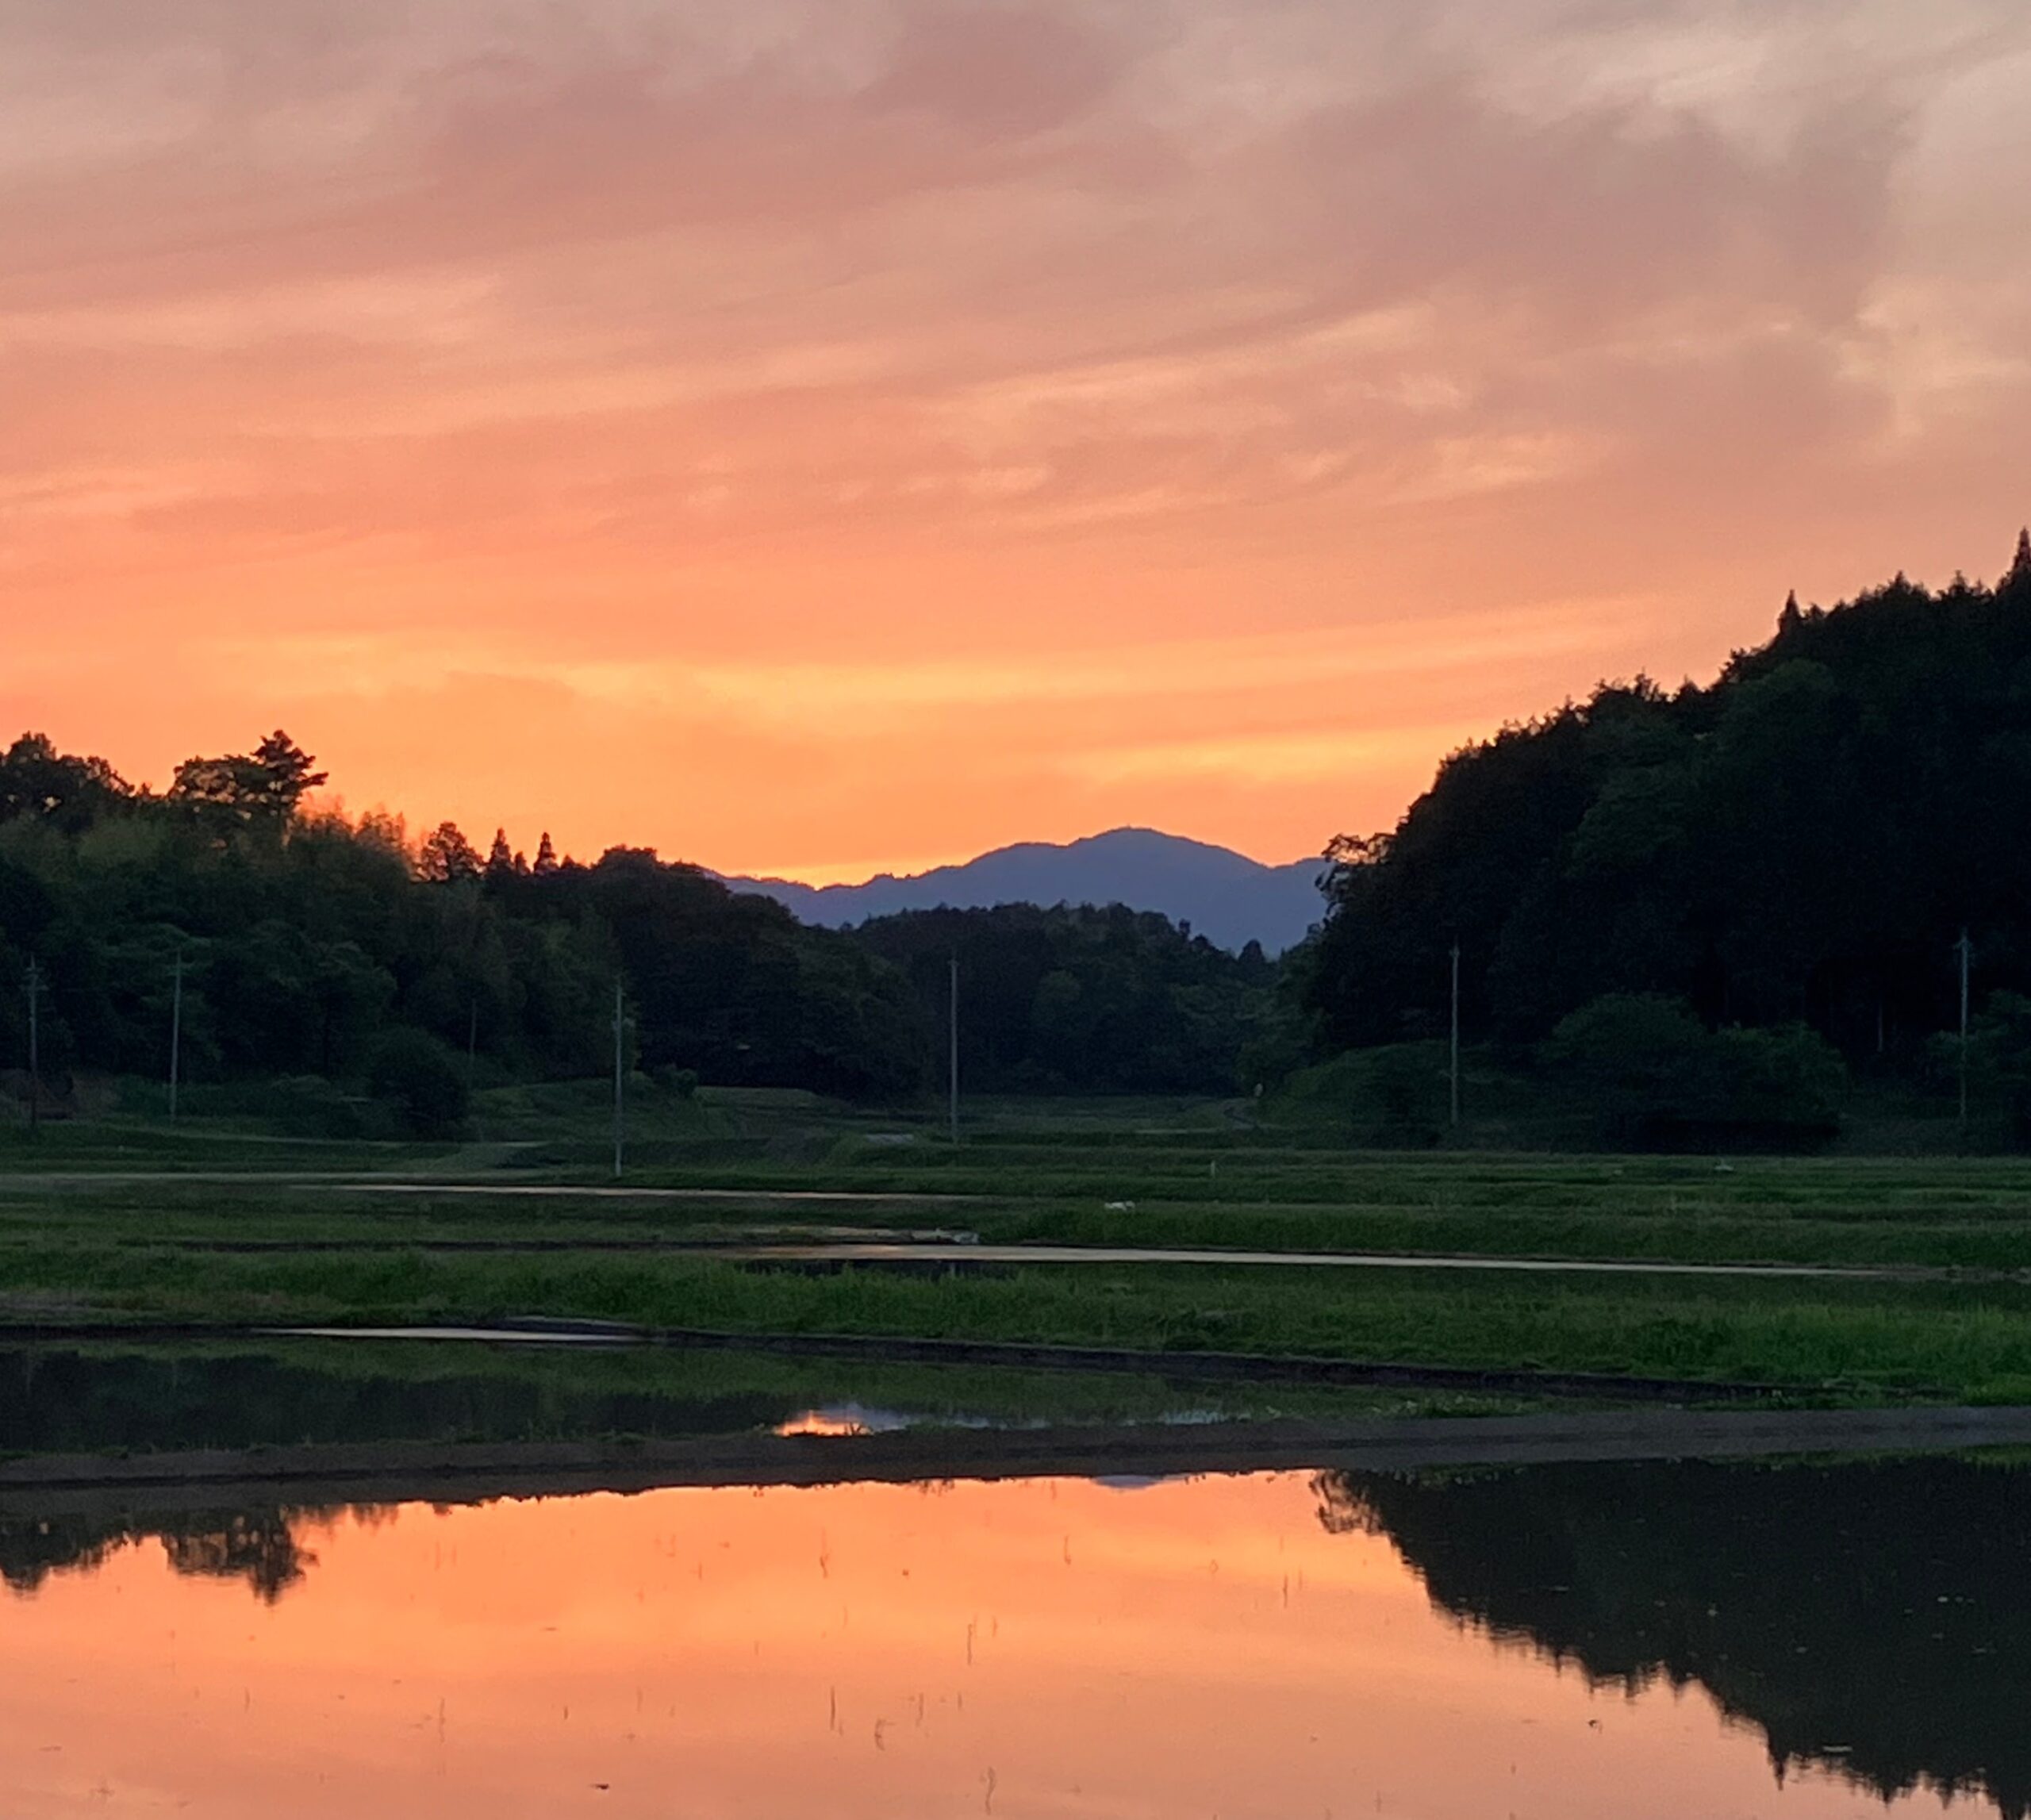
(495,348)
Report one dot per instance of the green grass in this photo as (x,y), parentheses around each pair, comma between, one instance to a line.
(73,1239)
(1841,1340)
(1962,1215)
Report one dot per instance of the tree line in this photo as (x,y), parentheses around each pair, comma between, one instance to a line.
(1698,906)
(1796,847)
(292,943)
(1083,999)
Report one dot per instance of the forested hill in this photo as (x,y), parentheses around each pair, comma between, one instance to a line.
(1805,839)
(352,963)
(1098,1001)
(312,947)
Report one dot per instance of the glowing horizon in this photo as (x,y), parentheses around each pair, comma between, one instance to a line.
(819,440)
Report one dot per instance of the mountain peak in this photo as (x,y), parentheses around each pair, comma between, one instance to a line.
(1226,896)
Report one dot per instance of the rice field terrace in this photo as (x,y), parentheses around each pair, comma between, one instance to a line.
(720,1223)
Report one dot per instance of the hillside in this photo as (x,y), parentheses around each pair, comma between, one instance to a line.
(1226,896)
(1802,841)
(371,982)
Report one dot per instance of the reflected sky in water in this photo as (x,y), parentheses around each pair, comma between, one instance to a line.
(1054,1647)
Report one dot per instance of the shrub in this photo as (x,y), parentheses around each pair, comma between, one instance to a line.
(1787,1076)
(682,1082)
(1635,1058)
(1652,1074)
(417,1076)
(1393,1096)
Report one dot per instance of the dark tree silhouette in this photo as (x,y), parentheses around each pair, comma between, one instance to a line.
(323,956)
(1803,839)
(261,790)
(1081,1000)
(40,783)
(447,857)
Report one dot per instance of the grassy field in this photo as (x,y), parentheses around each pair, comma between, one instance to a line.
(219,1229)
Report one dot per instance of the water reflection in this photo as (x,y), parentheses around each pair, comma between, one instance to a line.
(68,1398)
(1534,1643)
(261,1547)
(1875,1619)
(65,1399)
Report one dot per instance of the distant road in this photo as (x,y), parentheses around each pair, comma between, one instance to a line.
(959,1253)
(350,1183)
(891,1251)
(560,1191)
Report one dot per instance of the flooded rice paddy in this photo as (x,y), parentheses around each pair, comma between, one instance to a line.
(1559,1641)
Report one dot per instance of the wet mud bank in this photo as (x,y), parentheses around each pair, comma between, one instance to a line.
(47,1486)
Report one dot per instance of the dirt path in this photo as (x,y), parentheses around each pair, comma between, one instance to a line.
(890,1251)
(346,1181)
(961,1252)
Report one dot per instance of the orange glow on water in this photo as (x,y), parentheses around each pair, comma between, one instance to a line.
(1051,1648)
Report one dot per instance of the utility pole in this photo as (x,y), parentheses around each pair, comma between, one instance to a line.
(1965,949)
(620,1029)
(952,1047)
(1454,1072)
(175,1032)
(35,1048)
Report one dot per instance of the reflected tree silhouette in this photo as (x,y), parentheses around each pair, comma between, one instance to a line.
(258,1546)
(263,1546)
(1871,1619)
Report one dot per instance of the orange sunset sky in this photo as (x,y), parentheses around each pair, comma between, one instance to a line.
(824,435)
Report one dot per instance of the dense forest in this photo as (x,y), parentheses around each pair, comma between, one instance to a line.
(294,944)
(306,941)
(1798,846)
(1093,1000)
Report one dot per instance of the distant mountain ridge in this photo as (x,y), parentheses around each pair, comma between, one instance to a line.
(1226,896)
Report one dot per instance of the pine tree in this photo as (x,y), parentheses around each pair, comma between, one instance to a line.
(285,771)
(2020,570)
(546,856)
(446,856)
(1790,619)
(499,859)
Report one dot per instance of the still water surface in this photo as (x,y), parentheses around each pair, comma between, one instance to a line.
(1556,1643)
